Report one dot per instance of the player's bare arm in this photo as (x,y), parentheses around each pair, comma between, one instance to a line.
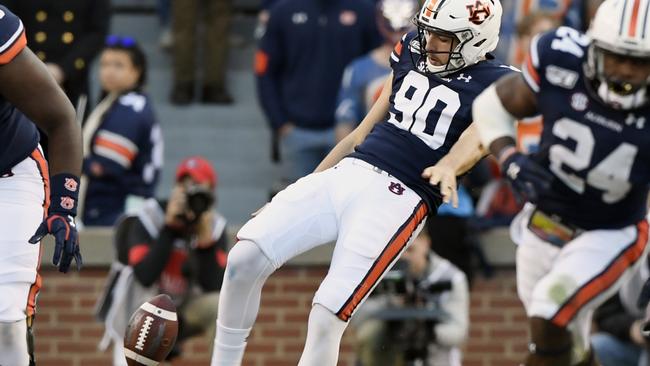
(27,84)
(465,153)
(376,114)
(515,101)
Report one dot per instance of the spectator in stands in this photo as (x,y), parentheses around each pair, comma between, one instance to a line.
(123,147)
(177,248)
(364,78)
(425,282)
(66,36)
(305,46)
(580,13)
(164,7)
(186,17)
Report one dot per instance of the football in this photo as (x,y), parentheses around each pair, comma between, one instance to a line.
(151,332)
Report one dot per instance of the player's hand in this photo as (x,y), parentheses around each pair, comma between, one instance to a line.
(526,177)
(445,176)
(285,129)
(66,240)
(60,222)
(176,210)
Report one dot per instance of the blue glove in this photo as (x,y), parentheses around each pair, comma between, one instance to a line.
(526,177)
(60,222)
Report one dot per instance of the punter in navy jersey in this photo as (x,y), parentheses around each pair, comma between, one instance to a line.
(584,228)
(368,194)
(29,96)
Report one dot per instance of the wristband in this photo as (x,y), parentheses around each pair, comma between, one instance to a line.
(64,194)
(505,153)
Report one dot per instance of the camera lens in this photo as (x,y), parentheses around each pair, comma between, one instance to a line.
(199,200)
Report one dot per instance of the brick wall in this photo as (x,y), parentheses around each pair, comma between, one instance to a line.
(66,333)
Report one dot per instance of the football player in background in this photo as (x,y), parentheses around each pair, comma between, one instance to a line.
(584,228)
(28,95)
(368,194)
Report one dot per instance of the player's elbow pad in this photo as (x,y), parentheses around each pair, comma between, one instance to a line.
(491,118)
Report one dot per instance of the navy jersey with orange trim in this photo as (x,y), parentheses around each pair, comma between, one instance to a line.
(128,146)
(18,135)
(427,115)
(597,154)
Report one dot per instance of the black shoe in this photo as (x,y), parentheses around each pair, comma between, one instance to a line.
(182,94)
(216,95)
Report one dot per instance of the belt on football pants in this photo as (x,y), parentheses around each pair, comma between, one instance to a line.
(365,164)
(552,229)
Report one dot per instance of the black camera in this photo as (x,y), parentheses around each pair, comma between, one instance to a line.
(411,332)
(199,199)
(397,281)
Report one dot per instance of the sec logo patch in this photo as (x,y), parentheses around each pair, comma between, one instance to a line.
(579,102)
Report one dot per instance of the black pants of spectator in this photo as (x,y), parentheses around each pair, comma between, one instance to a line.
(186,16)
(449,239)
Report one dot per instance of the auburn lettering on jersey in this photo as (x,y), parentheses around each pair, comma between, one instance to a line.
(427,116)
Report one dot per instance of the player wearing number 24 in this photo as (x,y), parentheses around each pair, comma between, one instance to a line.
(584,229)
(369,194)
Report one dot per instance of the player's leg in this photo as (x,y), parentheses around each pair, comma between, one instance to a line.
(22,199)
(586,272)
(297,219)
(13,343)
(375,228)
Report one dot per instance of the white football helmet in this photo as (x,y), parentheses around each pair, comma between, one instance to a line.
(474,23)
(619,28)
(394,18)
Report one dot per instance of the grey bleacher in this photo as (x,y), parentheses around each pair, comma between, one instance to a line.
(234,138)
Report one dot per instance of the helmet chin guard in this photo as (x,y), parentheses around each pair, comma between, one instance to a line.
(618,29)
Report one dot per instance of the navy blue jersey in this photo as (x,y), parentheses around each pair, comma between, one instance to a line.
(128,148)
(427,116)
(18,135)
(595,152)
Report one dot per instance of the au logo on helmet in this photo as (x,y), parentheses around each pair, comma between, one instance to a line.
(478,12)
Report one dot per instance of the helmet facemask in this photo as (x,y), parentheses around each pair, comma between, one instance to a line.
(616,93)
(455,60)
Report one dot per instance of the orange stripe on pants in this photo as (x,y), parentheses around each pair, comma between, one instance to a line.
(41,163)
(390,253)
(604,280)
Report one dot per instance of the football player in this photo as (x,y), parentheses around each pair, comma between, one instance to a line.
(584,229)
(28,95)
(368,194)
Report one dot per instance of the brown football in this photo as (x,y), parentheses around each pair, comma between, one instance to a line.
(151,332)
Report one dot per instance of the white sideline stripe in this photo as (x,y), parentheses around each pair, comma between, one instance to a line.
(153,309)
(111,154)
(136,357)
(118,139)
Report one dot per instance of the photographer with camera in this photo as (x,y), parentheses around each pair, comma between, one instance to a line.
(177,248)
(419,314)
